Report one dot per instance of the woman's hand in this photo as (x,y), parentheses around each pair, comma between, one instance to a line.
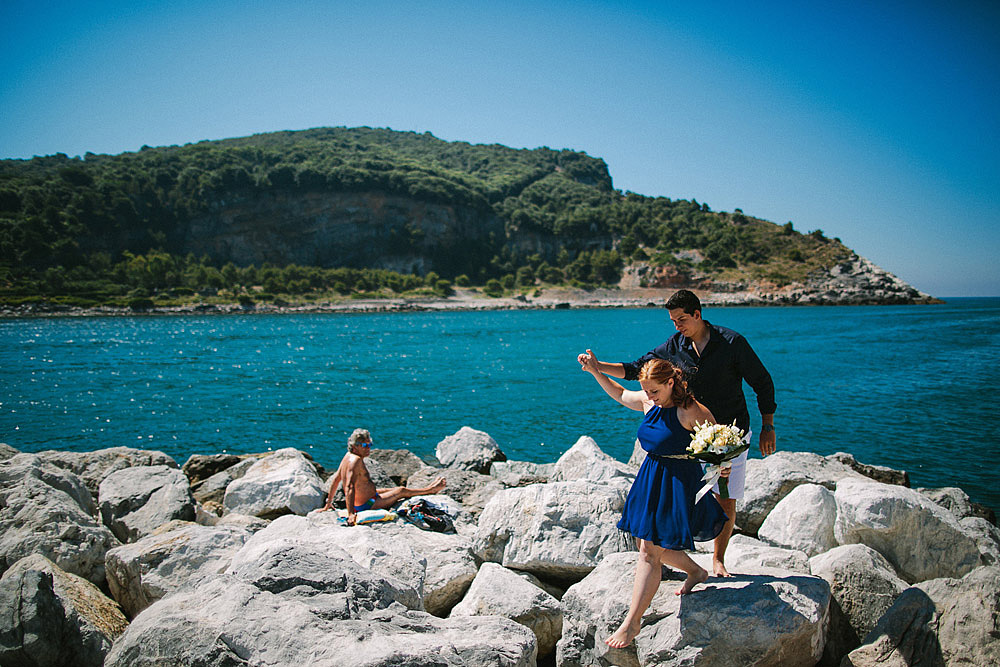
(588,362)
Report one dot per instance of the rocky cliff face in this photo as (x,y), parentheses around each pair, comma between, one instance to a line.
(853,281)
(342,229)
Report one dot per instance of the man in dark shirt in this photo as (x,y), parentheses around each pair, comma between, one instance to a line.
(717,361)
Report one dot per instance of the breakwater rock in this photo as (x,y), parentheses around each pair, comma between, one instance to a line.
(834,562)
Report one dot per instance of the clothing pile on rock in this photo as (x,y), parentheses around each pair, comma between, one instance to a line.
(427,515)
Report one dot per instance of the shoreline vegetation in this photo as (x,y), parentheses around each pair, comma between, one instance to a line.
(136,559)
(362,218)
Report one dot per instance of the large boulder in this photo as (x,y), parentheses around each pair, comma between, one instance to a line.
(7,452)
(47,510)
(469,449)
(93,467)
(52,617)
(585,460)
(521,473)
(324,576)
(370,547)
(745,555)
(398,464)
(284,482)
(135,501)
(921,539)
(450,563)
(771,618)
(863,585)
(143,572)
(498,591)
(212,489)
(802,520)
(986,536)
(938,622)
(771,479)
(229,622)
(560,530)
(882,474)
(470,488)
(200,467)
(957,501)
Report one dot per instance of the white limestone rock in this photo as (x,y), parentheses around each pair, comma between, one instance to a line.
(802,520)
(498,591)
(918,537)
(145,571)
(47,510)
(521,473)
(747,555)
(52,617)
(772,618)
(987,538)
(229,622)
(560,529)
(373,549)
(323,576)
(93,467)
(450,564)
(771,479)
(938,622)
(135,501)
(863,585)
(585,460)
(213,488)
(469,449)
(283,483)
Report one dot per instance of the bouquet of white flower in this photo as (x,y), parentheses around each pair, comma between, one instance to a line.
(716,444)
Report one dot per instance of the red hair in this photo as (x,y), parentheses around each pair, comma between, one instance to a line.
(662,371)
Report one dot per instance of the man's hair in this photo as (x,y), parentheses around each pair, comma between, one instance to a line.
(358,434)
(685,299)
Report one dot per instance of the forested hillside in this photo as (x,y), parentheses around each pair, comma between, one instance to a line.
(337,210)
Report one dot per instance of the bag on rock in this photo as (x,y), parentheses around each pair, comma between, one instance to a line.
(427,516)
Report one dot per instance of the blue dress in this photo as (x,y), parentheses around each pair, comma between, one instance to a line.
(660,506)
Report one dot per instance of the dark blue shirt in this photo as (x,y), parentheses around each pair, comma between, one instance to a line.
(716,377)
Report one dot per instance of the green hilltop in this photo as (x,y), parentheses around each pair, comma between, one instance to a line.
(348,211)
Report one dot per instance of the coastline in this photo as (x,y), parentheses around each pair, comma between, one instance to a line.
(472,299)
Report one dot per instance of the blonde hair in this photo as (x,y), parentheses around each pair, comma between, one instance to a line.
(662,371)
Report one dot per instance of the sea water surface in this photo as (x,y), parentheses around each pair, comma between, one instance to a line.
(911,387)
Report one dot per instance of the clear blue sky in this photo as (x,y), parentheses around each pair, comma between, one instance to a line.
(876,122)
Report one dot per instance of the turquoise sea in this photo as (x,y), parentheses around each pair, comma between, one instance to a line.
(912,387)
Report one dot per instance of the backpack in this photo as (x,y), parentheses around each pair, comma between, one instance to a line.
(427,516)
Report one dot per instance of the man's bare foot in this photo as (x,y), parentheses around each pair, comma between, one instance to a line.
(623,636)
(438,484)
(692,580)
(720,568)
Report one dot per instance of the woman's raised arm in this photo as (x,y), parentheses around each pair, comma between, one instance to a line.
(634,400)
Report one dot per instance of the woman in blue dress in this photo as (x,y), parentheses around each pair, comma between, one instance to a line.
(660,511)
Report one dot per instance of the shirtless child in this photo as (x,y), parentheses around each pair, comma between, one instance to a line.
(358,485)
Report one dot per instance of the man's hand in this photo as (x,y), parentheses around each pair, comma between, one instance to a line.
(351,518)
(767,442)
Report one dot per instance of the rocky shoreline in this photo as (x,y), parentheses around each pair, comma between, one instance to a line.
(472,300)
(122,557)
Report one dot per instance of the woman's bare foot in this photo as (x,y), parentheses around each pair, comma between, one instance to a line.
(438,484)
(692,580)
(720,568)
(623,636)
